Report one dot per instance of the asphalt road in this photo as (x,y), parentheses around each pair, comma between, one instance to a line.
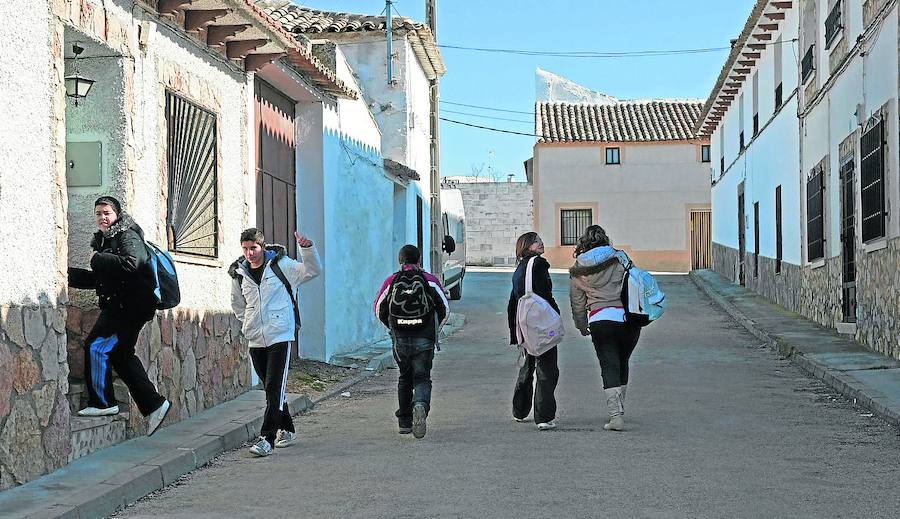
(718,426)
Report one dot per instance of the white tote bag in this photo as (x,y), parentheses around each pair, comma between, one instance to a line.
(538,327)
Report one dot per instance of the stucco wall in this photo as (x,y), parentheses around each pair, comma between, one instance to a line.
(401,111)
(497,213)
(644,203)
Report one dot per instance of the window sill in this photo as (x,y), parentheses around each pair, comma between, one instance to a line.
(194,260)
(817,264)
(880,243)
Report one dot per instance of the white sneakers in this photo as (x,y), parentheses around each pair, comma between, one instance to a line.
(547,426)
(285,439)
(261,448)
(96,411)
(156,417)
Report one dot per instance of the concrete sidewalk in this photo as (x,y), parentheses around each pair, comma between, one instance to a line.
(102,482)
(868,378)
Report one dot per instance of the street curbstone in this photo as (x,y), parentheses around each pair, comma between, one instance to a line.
(137,482)
(232,436)
(99,500)
(57,511)
(174,464)
(207,448)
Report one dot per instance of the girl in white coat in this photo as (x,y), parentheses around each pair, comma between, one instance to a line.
(262,297)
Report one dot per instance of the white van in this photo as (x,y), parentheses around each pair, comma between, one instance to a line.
(454,247)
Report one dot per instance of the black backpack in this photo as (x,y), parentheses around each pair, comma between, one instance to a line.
(410,305)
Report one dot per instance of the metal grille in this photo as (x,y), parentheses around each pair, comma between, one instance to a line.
(807,66)
(872,181)
(833,24)
(815,221)
(778,243)
(848,242)
(573,222)
(192,206)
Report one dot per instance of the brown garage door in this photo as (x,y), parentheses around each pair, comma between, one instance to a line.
(276,190)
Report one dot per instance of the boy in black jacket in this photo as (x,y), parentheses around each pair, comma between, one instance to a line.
(120,275)
(412,304)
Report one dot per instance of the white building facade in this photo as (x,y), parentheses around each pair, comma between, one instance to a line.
(830,153)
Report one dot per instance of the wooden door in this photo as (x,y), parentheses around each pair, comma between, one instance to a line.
(276,190)
(701,240)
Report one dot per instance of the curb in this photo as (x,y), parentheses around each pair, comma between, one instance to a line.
(134,483)
(834,379)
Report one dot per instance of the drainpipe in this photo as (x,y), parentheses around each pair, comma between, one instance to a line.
(437,231)
(390,44)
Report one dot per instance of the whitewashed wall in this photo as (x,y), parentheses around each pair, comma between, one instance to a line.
(771,159)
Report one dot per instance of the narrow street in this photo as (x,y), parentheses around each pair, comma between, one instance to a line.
(718,426)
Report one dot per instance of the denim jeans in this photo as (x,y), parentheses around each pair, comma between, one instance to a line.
(414,356)
(547,376)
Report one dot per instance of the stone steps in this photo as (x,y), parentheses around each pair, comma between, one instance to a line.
(91,434)
(78,396)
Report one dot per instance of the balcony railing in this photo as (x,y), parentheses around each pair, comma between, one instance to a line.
(807,66)
(833,24)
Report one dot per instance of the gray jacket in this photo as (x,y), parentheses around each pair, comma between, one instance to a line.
(596,282)
(265,310)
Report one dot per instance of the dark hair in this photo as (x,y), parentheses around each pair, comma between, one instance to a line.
(253,234)
(110,201)
(409,255)
(524,243)
(594,236)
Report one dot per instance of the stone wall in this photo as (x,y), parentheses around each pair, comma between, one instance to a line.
(878,299)
(815,293)
(497,213)
(197,360)
(34,413)
(725,261)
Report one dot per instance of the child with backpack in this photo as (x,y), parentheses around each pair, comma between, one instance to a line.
(121,275)
(596,291)
(412,304)
(262,296)
(529,248)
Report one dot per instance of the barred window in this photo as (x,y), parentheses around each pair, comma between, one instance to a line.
(872,181)
(573,222)
(815,219)
(192,219)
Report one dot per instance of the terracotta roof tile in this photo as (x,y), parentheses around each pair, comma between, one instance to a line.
(625,121)
(303,20)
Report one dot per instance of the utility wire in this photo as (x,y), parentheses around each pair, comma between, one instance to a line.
(588,54)
(487,116)
(492,129)
(487,108)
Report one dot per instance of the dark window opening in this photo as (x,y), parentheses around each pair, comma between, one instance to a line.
(573,222)
(815,216)
(756,239)
(807,66)
(778,96)
(833,24)
(612,155)
(741,141)
(755,124)
(192,217)
(872,182)
(704,153)
(420,226)
(778,242)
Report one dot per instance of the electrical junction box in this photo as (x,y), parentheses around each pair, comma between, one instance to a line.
(83,164)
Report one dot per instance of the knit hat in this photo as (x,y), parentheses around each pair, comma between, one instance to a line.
(108,200)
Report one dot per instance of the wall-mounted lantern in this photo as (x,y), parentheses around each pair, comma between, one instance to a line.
(77,86)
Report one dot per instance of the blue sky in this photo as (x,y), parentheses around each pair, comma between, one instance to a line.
(506,81)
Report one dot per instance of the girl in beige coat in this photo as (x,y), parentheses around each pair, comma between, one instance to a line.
(598,311)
